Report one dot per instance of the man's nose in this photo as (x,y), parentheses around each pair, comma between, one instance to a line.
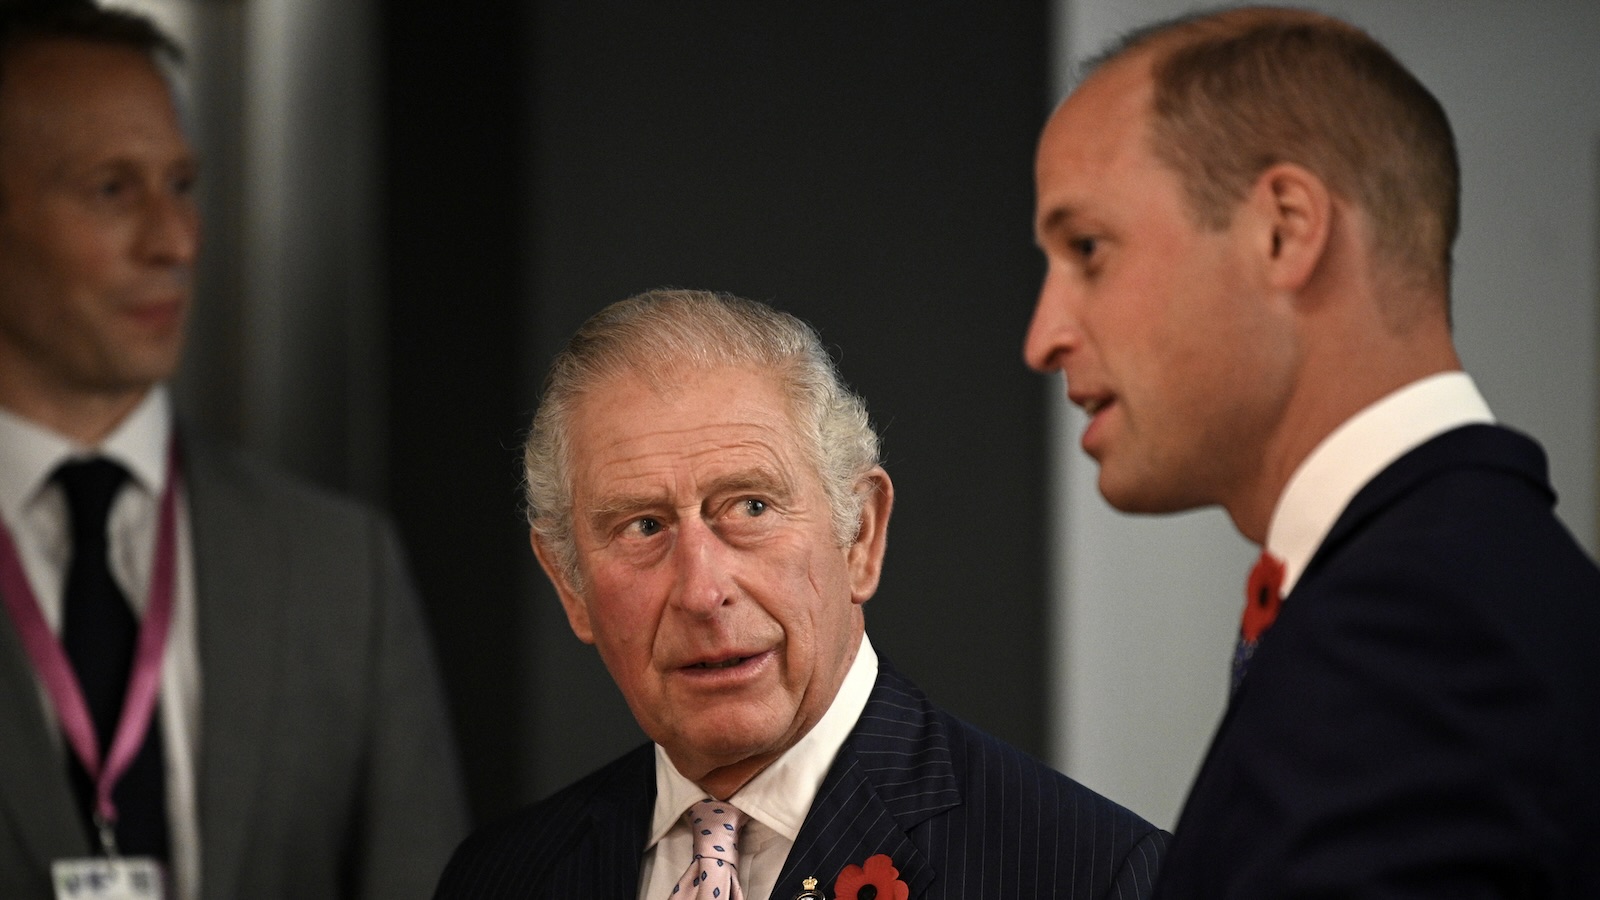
(704,572)
(1053,331)
(171,229)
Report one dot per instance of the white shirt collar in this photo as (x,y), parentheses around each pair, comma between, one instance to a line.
(30,453)
(780,795)
(1355,452)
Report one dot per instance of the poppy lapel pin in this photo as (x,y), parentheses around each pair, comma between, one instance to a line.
(877,879)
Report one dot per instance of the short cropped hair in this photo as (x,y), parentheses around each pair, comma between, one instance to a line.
(658,335)
(1238,91)
(25,21)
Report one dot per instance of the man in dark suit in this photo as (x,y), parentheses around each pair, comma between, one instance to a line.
(211,675)
(706,497)
(1248,218)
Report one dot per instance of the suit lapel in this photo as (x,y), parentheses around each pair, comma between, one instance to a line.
(1470,445)
(34,788)
(603,856)
(893,772)
(237,571)
(618,827)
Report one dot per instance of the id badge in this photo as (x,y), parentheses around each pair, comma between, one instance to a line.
(123,878)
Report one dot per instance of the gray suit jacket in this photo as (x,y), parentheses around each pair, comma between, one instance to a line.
(326,766)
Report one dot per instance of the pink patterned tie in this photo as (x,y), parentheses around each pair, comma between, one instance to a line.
(713,875)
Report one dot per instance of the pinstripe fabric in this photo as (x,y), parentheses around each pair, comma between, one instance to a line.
(585,840)
(962,814)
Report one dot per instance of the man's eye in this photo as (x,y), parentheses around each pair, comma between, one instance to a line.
(646,526)
(754,507)
(1084,247)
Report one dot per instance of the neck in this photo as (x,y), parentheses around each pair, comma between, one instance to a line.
(724,782)
(84,419)
(1348,363)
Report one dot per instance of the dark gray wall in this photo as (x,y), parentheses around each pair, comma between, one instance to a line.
(456,223)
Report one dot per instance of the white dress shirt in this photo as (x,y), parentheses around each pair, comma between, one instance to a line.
(776,800)
(34,508)
(1355,452)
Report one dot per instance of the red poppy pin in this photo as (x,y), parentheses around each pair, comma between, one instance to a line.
(877,880)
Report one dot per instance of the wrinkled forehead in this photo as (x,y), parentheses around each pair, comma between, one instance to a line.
(672,396)
(684,426)
(684,381)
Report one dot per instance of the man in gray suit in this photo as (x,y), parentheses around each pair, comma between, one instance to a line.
(212,678)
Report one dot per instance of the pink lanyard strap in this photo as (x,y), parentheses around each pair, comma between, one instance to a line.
(55,670)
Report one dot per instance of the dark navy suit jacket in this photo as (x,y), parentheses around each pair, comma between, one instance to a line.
(961,814)
(1423,720)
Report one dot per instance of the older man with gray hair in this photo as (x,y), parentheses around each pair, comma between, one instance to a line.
(706,497)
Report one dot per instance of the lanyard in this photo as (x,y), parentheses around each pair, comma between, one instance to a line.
(61,683)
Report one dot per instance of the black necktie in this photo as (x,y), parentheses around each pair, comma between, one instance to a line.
(100,633)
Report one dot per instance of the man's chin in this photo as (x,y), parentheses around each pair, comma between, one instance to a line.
(726,739)
(155,362)
(1143,496)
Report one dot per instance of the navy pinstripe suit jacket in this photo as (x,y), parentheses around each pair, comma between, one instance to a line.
(962,814)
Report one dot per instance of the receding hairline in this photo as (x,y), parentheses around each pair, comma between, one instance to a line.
(675,375)
(1239,67)
(1165,38)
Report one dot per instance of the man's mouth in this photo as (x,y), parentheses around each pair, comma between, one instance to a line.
(724,664)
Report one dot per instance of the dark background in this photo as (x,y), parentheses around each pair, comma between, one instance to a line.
(866,166)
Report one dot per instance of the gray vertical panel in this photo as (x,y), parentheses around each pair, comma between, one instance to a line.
(312,398)
(284,354)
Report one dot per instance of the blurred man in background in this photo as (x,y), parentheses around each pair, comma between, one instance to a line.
(212,677)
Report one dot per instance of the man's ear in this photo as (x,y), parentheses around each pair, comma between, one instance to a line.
(577,610)
(1296,210)
(865,553)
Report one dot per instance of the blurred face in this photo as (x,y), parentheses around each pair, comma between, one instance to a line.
(1159,326)
(98,226)
(712,583)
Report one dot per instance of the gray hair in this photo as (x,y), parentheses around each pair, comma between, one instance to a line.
(657,334)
